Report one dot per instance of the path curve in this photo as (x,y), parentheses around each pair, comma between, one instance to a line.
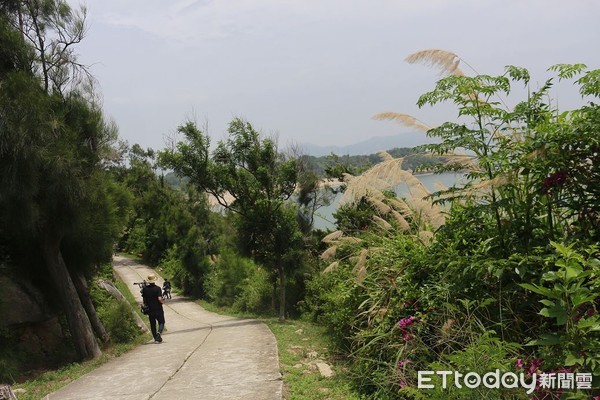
(203,356)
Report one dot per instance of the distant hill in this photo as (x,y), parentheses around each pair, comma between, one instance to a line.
(368,146)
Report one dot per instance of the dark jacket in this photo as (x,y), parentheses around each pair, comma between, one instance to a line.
(150,294)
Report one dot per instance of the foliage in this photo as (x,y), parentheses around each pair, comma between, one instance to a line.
(569,294)
(230,275)
(119,322)
(115,316)
(59,206)
(334,166)
(466,298)
(172,227)
(258,178)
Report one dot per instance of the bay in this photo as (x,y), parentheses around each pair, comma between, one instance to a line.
(324,216)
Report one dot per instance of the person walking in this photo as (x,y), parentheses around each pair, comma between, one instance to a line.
(166,289)
(152,297)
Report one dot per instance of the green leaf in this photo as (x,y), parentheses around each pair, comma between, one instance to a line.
(549,276)
(540,290)
(582,298)
(572,272)
(557,311)
(547,339)
(573,359)
(589,324)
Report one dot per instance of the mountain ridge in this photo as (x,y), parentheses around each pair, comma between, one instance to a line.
(367,146)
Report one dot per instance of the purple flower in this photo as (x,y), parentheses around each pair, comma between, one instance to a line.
(406,322)
(536,363)
(403,363)
(519,363)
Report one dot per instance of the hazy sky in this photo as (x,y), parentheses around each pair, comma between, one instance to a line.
(312,70)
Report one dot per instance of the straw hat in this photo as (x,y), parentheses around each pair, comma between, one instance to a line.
(151,278)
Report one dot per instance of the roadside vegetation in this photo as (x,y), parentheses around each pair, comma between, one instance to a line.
(497,272)
(36,384)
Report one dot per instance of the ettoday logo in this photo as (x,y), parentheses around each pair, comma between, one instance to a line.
(472,380)
(508,380)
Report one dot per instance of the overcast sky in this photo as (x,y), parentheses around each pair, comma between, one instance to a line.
(312,70)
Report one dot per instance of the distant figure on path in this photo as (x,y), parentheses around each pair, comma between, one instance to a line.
(152,297)
(167,289)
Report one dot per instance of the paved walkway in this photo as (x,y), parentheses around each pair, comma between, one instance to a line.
(203,356)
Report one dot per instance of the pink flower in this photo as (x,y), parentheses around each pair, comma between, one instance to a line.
(590,312)
(406,322)
(403,363)
(536,363)
(519,363)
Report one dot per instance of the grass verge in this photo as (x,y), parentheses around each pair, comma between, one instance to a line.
(302,345)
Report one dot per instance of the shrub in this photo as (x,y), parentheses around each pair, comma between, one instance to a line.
(237,281)
(119,322)
(255,292)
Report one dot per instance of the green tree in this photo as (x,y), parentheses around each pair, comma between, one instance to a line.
(248,177)
(56,197)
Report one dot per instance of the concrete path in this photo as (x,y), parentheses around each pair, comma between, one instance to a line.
(203,356)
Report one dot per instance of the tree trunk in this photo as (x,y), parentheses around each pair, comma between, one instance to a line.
(79,324)
(281,294)
(84,295)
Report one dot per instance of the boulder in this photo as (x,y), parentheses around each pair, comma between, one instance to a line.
(21,303)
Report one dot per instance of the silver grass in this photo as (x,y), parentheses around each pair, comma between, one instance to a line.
(331,267)
(403,119)
(360,268)
(361,275)
(333,236)
(329,253)
(361,260)
(350,240)
(426,237)
(429,212)
(363,186)
(447,61)
(385,156)
(402,223)
(382,223)
(439,186)
(402,206)
(380,206)
(484,187)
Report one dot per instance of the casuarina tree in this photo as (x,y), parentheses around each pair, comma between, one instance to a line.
(56,197)
(249,177)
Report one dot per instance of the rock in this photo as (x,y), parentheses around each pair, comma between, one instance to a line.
(312,354)
(42,340)
(21,303)
(324,369)
(295,349)
(6,393)
(299,331)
